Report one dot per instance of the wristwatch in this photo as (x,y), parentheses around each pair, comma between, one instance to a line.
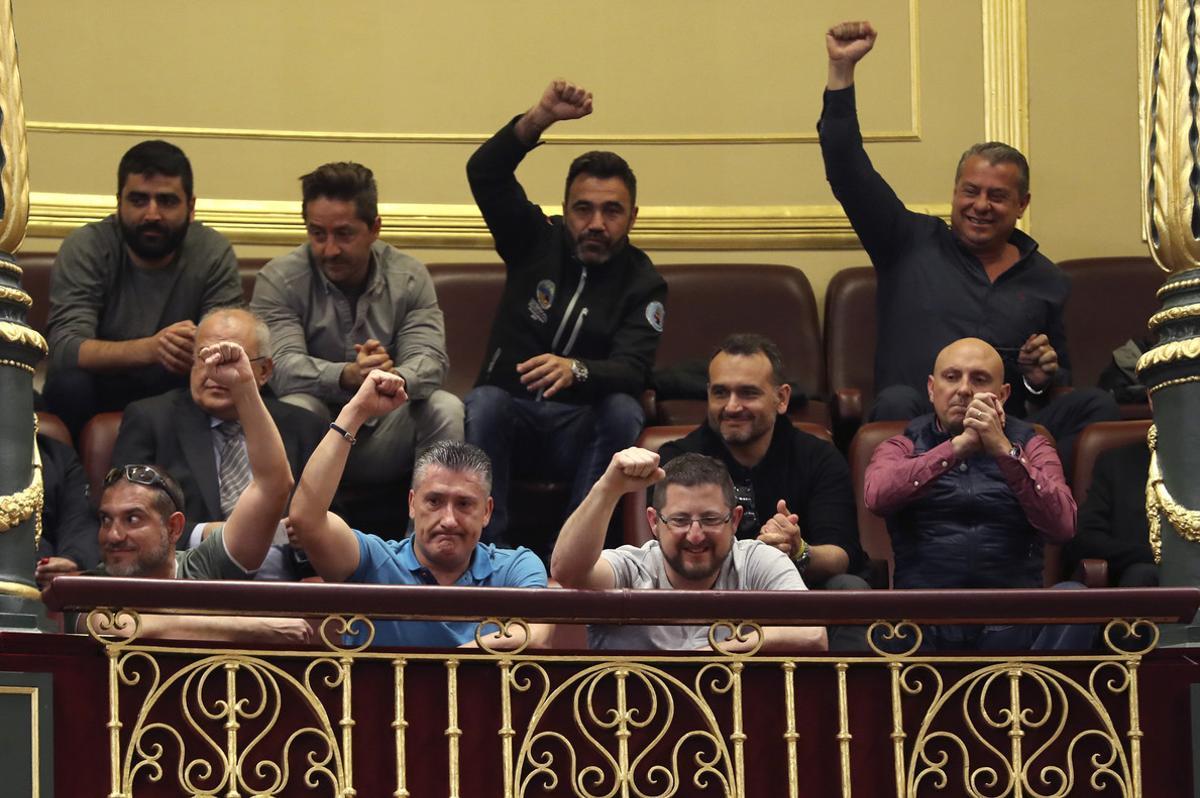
(802,555)
(579,371)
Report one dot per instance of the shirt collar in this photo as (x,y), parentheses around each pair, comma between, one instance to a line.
(477,572)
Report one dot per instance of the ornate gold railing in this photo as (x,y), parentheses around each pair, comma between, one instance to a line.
(348,720)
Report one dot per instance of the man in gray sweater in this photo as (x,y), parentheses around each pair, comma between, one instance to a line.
(126,292)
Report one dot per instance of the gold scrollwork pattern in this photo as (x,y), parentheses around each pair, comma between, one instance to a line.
(14,180)
(267,723)
(1003,730)
(229,741)
(623,718)
(26,336)
(15,295)
(17,508)
(1173,314)
(1159,500)
(1170,352)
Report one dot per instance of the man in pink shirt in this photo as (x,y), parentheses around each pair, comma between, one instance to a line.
(970,495)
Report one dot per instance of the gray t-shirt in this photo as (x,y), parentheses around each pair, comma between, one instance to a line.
(97,292)
(751,565)
(209,560)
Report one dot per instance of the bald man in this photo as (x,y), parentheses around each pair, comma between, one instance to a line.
(970,494)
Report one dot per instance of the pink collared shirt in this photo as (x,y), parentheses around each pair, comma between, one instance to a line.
(896,476)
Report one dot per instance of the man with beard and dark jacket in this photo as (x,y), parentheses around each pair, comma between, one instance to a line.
(580,318)
(126,292)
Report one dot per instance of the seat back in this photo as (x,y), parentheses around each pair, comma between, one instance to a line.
(1111,301)
(633,505)
(52,426)
(1097,438)
(248,269)
(850,330)
(469,294)
(96,443)
(35,281)
(872,530)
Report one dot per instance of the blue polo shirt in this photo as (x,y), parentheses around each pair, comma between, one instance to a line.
(391,562)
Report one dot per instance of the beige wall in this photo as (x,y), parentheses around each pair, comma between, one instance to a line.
(713,103)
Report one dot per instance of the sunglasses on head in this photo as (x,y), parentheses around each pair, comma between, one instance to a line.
(143,475)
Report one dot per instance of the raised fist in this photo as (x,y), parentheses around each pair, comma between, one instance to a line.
(226,364)
(850,41)
(381,392)
(563,100)
(633,469)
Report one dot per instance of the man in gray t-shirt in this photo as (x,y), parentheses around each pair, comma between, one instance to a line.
(127,291)
(693,520)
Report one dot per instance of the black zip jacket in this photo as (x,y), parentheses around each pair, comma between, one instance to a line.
(608,316)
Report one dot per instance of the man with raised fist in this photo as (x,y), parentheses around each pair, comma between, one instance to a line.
(449,504)
(978,277)
(693,518)
(578,325)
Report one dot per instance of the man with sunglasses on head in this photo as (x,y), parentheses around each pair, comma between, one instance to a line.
(693,520)
(141,517)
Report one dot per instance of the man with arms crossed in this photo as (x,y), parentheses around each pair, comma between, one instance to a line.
(693,522)
(449,504)
(141,518)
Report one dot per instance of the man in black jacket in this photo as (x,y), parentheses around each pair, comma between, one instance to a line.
(1112,521)
(579,322)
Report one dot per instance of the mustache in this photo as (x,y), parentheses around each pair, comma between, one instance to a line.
(148,227)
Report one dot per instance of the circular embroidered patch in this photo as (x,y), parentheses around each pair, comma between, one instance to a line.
(655,313)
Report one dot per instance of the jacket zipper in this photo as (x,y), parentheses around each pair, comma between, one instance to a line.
(575,332)
(570,307)
(492,363)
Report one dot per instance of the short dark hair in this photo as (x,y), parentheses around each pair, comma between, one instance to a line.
(454,456)
(345,181)
(602,164)
(692,470)
(995,152)
(155,157)
(750,344)
(168,495)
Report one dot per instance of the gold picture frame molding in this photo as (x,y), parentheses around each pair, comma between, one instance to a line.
(449,226)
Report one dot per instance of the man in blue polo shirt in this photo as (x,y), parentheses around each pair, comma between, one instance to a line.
(450,503)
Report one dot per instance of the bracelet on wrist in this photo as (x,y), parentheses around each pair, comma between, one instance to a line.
(333,425)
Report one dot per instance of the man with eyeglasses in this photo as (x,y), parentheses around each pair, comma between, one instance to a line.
(197,435)
(693,520)
(141,517)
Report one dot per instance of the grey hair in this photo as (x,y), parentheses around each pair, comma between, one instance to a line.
(262,333)
(995,152)
(454,456)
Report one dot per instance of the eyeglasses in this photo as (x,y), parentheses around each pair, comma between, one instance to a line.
(683,523)
(144,475)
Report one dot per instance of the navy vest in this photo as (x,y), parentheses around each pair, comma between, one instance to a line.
(967,529)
